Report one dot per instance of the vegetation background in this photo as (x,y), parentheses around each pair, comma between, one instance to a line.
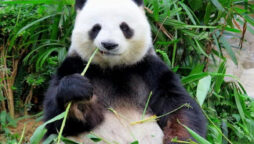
(189,35)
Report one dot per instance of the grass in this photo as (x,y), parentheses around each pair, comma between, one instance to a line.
(188,35)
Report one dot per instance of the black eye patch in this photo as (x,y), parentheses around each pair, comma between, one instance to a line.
(94,31)
(127,31)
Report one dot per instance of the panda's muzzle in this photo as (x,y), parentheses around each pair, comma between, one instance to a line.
(108,53)
(109,45)
(109,48)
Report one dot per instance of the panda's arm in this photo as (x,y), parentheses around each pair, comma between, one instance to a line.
(68,85)
(70,65)
(168,95)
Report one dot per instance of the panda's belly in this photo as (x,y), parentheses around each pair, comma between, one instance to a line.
(119,128)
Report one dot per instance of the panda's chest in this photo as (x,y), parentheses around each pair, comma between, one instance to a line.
(125,126)
(121,90)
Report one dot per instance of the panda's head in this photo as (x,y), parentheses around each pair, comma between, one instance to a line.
(119,29)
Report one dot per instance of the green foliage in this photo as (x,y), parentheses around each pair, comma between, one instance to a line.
(187,35)
(203,88)
(41,130)
(34,80)
(5,122)
(197,137)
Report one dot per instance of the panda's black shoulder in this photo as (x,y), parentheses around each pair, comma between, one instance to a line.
(71,65)
(156,72)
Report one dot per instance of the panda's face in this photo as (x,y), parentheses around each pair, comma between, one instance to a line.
(118,28)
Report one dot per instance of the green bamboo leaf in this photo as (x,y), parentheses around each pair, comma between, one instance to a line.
(208,12)
(46,56)
(27,58)
(199,68)
(232,30)
(135,142)
(195,4)
(249,28)
(239,105)
(156,10)
(217,45)
(35,22)
(229,49)
(177,14)
(199,48)
(164,57)
(12,41)
(249,19)
(203,88)
(218,5)
(41,130)
(196,136)
(193,77)
(94,138)
(37,2)
(188,12)
(50,139)
(38,134)
(219,79)
(68,141)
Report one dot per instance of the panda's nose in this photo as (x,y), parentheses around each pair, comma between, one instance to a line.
(109,45)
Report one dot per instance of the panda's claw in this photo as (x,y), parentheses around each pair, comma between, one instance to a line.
(74,88)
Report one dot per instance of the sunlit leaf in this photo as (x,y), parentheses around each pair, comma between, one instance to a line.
(202,89)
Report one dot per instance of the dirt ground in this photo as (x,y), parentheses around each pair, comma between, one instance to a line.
(30,123)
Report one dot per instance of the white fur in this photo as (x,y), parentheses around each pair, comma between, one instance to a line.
(110,14)
(118,129)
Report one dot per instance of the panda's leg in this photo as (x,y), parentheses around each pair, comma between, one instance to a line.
(168,96)
(172,124)
(69,86)
(174,127)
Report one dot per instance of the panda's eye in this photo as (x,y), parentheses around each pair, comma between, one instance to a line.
(96,28)
(94,31)
(124,27)
(127,31)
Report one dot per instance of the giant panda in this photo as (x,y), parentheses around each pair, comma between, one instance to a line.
(114,91)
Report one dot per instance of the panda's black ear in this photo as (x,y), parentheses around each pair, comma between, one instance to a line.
(80,4)
(139,2)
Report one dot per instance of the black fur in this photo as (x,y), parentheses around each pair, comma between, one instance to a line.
(94,31)
(169,94)
(139,2)
(75,87)
(113,84)
(70,66)
(68,86)
(80,4)
(127,31)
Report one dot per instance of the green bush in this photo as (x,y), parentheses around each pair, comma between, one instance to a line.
(188,35)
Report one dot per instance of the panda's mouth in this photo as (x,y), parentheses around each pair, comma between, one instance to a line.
(108,53)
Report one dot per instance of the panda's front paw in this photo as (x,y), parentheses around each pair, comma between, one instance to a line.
(74,88)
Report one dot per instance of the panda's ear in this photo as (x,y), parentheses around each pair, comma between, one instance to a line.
(80,4)
(139,2)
